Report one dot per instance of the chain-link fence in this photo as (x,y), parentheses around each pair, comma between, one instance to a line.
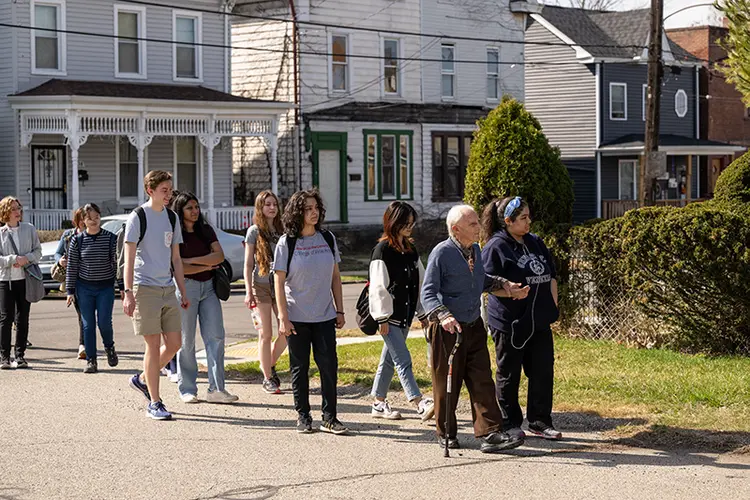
(598,305)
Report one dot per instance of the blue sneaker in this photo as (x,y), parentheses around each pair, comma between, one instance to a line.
(157,411)
(135,383)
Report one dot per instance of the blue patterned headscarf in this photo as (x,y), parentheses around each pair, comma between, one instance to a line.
(512,206)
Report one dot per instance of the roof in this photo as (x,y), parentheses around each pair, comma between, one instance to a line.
(58,87)
(669,142)
(607,34)
(401,112)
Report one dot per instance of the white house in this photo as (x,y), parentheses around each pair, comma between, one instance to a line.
(98,93)
(387,94)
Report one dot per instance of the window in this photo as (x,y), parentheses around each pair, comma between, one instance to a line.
(645,101)
(130,51)
(187,165)
(390,66)
(448,71)
(628,177)
(388,164)
(681,103)
(187,58)
(128,169)
(450,157)
(618,101)
(339,77)
(493,74)
(48,47)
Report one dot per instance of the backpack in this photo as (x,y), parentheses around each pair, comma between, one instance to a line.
(291,242)
(141,213)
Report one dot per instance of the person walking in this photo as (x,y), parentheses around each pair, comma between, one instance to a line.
(201,253)
(152,267)
(90,282)
(310,300)
(521,328)
(451,295)
(395,279)
(260,245)
(61,259)
(19,247)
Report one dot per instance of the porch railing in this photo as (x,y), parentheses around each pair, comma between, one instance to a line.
(46,220)
(236,218)
(616,208)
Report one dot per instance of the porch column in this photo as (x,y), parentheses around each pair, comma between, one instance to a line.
(75,139)
(209,141)
(140,142)
(274,145)
(689,179)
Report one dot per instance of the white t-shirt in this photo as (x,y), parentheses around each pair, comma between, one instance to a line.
(16,273)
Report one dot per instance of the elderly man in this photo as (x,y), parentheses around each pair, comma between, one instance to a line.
(451,296)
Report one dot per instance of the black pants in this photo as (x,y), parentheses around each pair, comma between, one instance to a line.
(537,359)
(12,301)
(322,338)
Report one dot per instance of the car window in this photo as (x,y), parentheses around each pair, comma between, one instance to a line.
(112,225)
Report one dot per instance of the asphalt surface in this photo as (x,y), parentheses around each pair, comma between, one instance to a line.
(66,435)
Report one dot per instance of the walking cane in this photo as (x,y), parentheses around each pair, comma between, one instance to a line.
(449,388)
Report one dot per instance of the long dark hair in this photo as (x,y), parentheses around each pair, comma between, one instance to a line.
(178,206)
(493,216)
(263,255)
(395,218)
(294,212)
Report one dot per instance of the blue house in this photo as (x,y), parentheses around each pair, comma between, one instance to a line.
(585,81)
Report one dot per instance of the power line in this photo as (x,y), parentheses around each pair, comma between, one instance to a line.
(377,30)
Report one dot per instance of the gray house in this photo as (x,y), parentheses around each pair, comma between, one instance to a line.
(95,94)
(586,74)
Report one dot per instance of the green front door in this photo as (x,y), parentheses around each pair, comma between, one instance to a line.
(329,172)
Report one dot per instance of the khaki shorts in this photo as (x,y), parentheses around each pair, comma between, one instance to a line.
(156,310)
(263,293)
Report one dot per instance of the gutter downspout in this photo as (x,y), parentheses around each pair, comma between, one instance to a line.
(598,106)
(297,99)
(227,6)
(16,113)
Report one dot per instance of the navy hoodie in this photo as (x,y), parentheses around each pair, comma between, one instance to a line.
(527,263)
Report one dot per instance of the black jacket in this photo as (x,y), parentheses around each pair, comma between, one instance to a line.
(395,280)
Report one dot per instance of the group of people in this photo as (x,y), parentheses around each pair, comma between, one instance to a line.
(164,266)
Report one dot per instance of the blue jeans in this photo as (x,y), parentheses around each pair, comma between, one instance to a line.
(206,308)
(395,353)
(96,303)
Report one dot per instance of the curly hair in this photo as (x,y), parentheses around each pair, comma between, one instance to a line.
(493,216)
(263,254)
(6,206)
(294,212)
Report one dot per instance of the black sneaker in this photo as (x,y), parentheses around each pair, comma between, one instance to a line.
(21,362)
(91,366)
(5,363)
(304,424)
(452,443)
(333,426)
(112,358)
(499,441)
(545,431)
(275,377)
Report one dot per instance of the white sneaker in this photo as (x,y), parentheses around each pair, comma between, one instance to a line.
(174,377)
(164,372)
(222,397)
(381,409)
(426,409)
(189,398)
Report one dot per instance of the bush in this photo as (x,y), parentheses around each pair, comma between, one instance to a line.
(733,185)
(687,267)
(511,156)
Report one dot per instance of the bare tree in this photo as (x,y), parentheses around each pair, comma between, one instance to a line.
(595,4)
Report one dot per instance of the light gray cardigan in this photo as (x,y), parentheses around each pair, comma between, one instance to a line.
(29,247)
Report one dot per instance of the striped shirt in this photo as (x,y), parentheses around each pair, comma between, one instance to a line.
(94,263)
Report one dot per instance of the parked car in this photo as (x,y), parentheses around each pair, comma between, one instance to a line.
(232,244)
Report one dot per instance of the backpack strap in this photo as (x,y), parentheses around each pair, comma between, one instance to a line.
(328,236)
(291,242)
(172,218)
(141,213)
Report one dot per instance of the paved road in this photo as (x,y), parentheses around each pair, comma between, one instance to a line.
(66,435)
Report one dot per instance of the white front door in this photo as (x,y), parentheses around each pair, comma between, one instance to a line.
(329,182)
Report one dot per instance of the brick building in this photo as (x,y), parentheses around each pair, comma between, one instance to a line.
(723,116)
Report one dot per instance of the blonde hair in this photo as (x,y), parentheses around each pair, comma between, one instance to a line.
(263,256)
(6,206)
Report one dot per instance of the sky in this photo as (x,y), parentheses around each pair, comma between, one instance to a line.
(696,16)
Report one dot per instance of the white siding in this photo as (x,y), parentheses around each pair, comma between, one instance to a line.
(7,77)
(562,98)
(474,19)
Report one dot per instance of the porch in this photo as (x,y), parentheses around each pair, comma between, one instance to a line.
(111,142)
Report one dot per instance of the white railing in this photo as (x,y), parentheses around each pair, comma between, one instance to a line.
(46,220)
(231,218)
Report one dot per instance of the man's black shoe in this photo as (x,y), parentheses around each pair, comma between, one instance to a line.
(499,441)
(112,359)
(452,443)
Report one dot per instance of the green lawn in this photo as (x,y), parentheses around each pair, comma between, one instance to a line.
(663,388)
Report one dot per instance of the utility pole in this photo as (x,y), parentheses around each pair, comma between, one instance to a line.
(651,161)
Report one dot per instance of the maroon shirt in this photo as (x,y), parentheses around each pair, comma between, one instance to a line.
(195,246)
